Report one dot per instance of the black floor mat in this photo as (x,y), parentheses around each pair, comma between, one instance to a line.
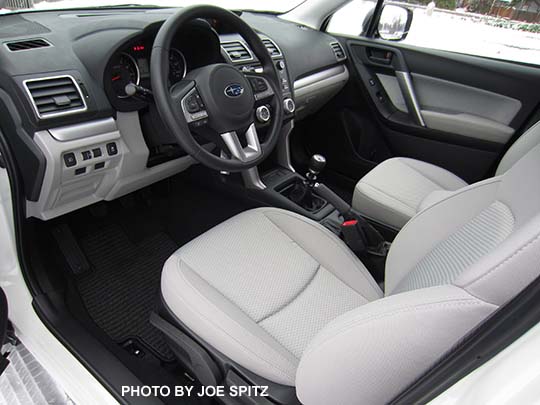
(128,241)
(123,286)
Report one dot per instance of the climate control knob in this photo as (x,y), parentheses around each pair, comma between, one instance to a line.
(289,106)
(263,114)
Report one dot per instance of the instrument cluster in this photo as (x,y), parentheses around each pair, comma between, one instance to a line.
(132,66)
(197,45)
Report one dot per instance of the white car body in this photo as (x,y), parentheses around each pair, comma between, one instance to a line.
(78,383)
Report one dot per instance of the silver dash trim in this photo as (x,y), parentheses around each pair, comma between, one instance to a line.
(316,81)
(84,130)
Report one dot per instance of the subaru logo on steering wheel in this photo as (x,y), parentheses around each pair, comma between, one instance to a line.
(234,90)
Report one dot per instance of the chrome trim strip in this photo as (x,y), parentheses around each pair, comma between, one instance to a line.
(405,83)
(83,130)
(283,148)
(25,40)
(321,79)
(56,114)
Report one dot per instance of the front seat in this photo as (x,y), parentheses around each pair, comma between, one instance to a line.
(398,188)
(286,299)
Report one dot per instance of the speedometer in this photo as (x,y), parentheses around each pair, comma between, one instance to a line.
(177,66)
(124,71)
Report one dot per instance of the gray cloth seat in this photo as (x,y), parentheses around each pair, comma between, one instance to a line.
(259,287)
(398,188)
(286,299)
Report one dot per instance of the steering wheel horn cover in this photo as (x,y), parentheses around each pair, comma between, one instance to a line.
(228,97)
(226,113)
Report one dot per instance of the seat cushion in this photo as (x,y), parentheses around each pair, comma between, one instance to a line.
(392,193)
(261,285)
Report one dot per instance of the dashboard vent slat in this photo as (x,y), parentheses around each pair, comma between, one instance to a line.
(338,51)
(273,49)
(53,96)
(237,51)
(27,44)
(52,91)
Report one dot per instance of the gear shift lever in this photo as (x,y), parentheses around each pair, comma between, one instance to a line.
(302,191)
(317,164)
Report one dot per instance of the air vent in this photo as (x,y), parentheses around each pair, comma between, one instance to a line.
(53,96)
(273,50)
(338,51)
(237,51)
(27,44)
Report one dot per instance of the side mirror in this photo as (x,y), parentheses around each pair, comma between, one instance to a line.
(394,22)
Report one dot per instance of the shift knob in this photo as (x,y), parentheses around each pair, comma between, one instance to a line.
(317,164)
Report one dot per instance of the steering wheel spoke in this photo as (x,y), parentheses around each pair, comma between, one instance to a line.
(235,149)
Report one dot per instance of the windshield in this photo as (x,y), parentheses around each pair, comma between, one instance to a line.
(274,6)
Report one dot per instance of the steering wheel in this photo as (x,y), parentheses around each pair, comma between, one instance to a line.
(216,100)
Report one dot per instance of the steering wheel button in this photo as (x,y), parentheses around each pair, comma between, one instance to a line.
(199,102)
(262,85)
(199,115)
(192,104)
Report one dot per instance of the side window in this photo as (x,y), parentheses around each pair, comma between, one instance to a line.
(508,30)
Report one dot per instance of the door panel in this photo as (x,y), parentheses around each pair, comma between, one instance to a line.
(463,110)
(456,111)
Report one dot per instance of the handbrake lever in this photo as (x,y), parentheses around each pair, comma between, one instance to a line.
(355,225)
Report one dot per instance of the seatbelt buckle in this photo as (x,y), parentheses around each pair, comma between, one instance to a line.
(353,235)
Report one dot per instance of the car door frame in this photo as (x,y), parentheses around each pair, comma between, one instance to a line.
(30,326)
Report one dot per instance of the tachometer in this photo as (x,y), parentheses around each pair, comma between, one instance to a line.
(177,66)
(124,71)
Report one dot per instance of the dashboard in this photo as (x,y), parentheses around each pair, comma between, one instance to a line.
(81,137)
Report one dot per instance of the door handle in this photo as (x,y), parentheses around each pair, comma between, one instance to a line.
(409,95)
(384,61)
(380,56)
